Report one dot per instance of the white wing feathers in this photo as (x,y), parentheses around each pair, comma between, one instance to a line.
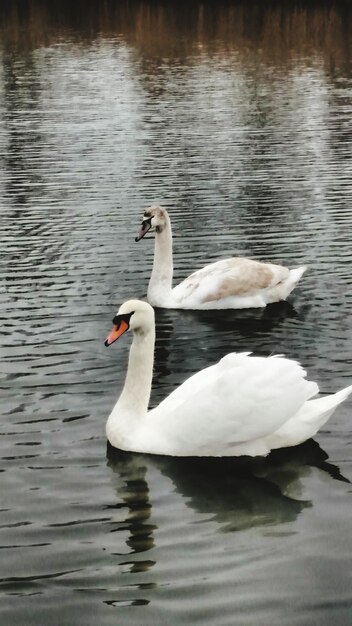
(230,277)
(239,399)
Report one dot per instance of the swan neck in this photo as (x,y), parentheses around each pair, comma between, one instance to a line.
(135,395)
(162,273)
(132,406)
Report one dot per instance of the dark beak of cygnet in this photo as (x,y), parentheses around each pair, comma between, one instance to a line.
(146,225)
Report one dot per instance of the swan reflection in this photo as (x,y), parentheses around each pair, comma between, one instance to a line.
(236,493)
(132,487)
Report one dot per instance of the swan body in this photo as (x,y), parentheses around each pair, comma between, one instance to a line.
(242,405)
(234,283)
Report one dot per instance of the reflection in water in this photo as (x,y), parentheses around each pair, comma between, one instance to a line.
(216,497)
(246,322)
(133,488)
(155,27)
(238,493)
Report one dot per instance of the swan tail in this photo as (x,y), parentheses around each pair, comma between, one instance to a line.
(294,276)
(286,285)
(297,273)
(309,419)
(327,404)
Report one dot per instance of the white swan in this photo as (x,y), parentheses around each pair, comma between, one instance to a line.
(242,405)
(234,283)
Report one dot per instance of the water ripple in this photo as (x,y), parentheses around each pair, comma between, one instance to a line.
(237,119)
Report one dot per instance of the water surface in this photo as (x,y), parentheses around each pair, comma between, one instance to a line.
(238,119)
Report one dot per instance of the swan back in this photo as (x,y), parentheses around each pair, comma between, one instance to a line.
(231,405)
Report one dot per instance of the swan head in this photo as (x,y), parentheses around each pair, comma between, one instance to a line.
(154,218)
(133,314)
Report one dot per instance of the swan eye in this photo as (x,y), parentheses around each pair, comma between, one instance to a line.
(124,317)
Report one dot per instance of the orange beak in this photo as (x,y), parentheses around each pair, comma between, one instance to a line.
(116,332)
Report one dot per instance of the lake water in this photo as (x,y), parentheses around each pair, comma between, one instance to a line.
(237,118)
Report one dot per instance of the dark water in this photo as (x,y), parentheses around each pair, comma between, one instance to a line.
(238,119)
